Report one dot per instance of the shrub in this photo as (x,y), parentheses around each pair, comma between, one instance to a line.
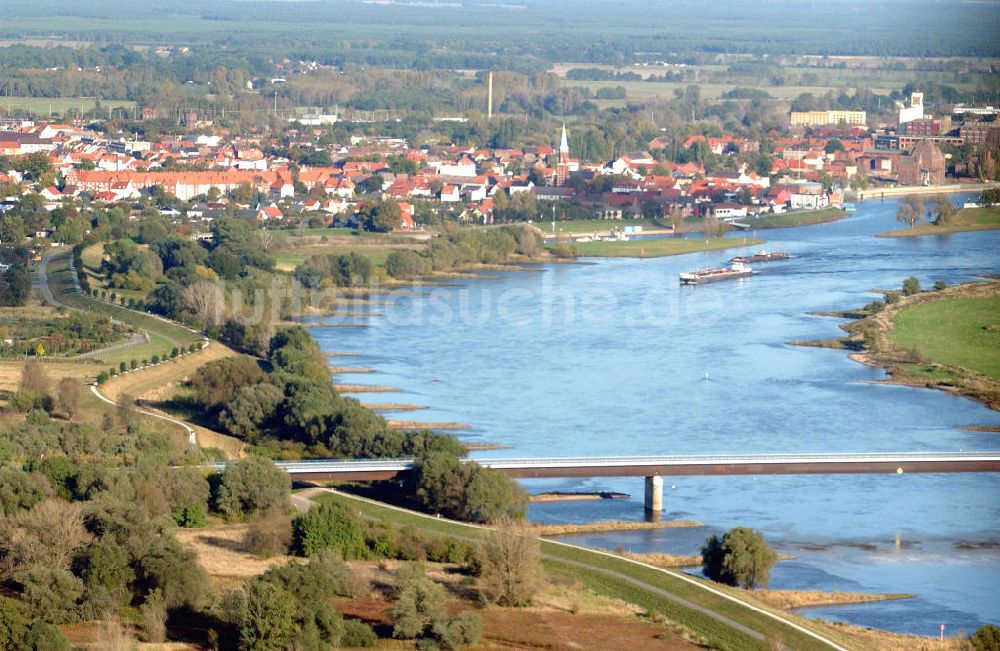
(939,285)
(52,594)
(358,634)
(122,367)
(174,352)
(419,605)
(189,517)
(153,618)
(510,566)
(405,264)
(17,631)
(911,286)
(328,526)
(466,629)
(133,364)
(102,377)
(987,638)
(156,359)
(68,396)
(251,485)
(265,616)
(174,571)
(270,534)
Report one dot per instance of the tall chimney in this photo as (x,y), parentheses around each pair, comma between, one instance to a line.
(489,96)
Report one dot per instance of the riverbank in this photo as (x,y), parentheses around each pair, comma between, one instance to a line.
(657,248)
(792,599)
(798,218)
(609,525)
(875,194)
(965,220)
(558,496)
(947,340)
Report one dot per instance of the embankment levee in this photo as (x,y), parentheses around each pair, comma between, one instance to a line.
(873,194)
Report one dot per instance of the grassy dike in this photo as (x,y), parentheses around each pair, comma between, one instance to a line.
(724,618)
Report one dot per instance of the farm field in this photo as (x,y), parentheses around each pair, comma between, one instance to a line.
(44,106)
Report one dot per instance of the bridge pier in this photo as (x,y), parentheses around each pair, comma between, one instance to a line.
(654,495)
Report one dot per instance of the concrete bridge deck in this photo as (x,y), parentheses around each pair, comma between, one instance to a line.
(675,465)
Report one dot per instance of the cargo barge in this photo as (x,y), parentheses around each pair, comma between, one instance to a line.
(700,276)
(762,256)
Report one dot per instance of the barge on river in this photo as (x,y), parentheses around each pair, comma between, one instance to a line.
(701,276)
(762,256)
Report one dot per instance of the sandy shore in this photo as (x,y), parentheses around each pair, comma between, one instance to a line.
(790,599)
(609,525)
(575,497)
(415,424)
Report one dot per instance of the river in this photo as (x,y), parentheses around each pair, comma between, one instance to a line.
(616,358)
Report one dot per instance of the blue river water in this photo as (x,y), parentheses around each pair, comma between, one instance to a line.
(616,358)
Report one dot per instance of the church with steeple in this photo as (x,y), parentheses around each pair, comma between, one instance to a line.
(562,167)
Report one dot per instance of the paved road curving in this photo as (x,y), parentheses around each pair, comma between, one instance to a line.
(191,434)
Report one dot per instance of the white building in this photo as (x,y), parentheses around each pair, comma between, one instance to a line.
(915,111)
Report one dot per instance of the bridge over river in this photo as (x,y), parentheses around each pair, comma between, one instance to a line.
(654,468)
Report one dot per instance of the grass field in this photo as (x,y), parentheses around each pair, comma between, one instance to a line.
(655,248)
(967,219)
(44,106)
(801,218)
(962,332)
(317,232)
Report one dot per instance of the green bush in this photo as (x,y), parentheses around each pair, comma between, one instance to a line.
(911,286)
(420,604)
(328,526)
(987,638)
(156,359)
(18,632)
(465,629)
(358,634)
(249,486)
(189,517)
(122,366)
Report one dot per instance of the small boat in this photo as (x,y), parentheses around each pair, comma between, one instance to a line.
(585,238)
(701,276)
(762,256)
(849,207)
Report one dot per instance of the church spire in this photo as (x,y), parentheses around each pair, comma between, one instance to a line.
(564,144)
